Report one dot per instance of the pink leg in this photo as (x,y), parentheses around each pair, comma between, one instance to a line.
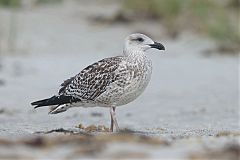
(113,119)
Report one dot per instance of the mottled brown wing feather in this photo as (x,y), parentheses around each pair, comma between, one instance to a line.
(91,81)
(65,84)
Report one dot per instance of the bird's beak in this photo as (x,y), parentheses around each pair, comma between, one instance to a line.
(157,45)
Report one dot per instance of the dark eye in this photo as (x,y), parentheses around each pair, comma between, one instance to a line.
(140,39)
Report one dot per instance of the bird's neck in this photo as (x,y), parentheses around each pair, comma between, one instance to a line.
(135,55)
(133,52)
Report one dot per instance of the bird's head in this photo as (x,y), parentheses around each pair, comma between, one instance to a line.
(140,42)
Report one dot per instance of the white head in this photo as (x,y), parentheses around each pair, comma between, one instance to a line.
(140,42)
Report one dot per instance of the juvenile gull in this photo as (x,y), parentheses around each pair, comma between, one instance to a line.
(110,82)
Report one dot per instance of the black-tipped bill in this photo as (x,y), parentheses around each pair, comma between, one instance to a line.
(157,46)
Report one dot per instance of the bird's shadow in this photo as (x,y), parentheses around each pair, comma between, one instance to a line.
(82,132)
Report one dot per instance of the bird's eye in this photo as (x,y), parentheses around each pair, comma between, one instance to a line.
(140,39)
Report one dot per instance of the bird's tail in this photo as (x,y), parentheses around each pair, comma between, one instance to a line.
(54,100)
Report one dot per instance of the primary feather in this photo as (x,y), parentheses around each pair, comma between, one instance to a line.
(85,86)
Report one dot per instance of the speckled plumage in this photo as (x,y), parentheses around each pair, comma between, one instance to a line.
(110,82)
(92,81)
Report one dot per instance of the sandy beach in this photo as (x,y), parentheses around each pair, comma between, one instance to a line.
(190,109)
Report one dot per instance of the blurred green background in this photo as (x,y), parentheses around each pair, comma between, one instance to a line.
(215,19)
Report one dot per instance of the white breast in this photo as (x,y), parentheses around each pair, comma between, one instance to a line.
(136,75)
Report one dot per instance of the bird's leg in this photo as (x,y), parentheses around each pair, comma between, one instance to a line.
(113,119)
(111,127)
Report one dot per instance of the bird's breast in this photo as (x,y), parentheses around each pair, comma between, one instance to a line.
(138,80)
(134,78)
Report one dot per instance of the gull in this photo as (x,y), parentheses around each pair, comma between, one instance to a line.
(110,82)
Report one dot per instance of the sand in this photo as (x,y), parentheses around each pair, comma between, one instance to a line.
(189,110)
